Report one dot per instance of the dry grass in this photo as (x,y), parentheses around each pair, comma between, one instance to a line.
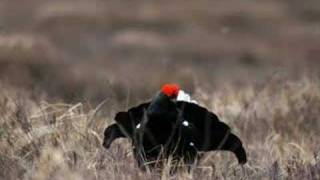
(66,68)
(278,123)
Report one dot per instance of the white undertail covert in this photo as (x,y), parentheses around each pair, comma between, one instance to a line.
(183,96)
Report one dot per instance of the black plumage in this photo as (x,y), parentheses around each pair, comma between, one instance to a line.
(164,127)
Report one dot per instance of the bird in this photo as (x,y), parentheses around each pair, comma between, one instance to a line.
(172,125)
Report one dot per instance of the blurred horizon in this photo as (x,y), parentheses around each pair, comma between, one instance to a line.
(88,49)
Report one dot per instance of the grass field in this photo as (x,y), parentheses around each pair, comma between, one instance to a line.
(67,67)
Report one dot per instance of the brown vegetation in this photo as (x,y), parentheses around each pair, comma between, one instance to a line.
(67,67)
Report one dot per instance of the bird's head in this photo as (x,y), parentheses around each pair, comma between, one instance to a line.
(170,90)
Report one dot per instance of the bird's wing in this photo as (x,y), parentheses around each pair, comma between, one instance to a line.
(207,129)
(111,133)
(128,121)
(209,133)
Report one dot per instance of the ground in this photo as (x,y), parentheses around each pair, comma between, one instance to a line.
(67,67)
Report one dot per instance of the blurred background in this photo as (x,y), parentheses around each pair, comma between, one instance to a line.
(124,50)
(66,67)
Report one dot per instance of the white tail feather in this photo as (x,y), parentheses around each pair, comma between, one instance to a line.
(183,96)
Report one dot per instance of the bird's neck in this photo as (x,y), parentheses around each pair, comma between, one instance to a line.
(160,104)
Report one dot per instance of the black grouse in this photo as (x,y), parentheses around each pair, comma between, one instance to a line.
(168,126)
